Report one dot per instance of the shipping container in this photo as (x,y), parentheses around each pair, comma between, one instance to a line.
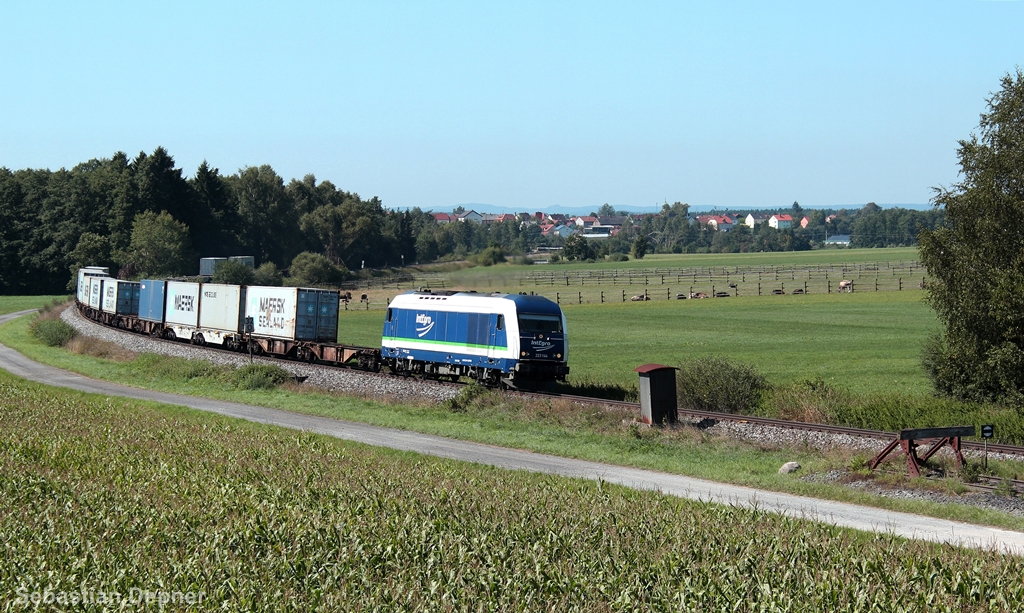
(248,260)
(181,307)
(208,266)
(293,313)
(151,300)
(221,312)
(96,291)
(84,274)
(120,297)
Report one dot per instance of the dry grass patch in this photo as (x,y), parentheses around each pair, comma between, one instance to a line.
(87,345)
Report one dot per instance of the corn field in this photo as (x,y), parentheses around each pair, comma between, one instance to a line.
(107,495)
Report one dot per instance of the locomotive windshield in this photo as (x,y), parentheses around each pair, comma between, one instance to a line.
(540,324)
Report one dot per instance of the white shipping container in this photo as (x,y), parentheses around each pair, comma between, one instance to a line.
(182,304)
(95,292)
(84,275)
(272,310)
(221,311)
(109,304)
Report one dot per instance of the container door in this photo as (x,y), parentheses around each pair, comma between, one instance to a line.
(305,315)
(327,317)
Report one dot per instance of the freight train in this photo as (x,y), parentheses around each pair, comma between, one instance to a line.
(511,340)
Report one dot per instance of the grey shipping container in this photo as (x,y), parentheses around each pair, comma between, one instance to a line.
(151,300)
(248,260)
(208,266)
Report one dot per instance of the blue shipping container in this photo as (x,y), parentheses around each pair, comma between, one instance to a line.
(151,300)
(316,318)
(128,297)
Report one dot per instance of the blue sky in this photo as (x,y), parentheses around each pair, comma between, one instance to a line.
(520,105)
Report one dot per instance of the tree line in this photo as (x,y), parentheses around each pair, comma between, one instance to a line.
(143,216)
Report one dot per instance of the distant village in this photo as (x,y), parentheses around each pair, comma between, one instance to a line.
(607,226)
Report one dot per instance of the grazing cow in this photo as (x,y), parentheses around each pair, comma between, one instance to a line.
(846,285)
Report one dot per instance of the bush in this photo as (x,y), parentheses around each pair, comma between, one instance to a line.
(310,268)
(488,257)
(53,332)
(233,272)
(717,384)
(811,400)
(618,257)
(260,376)
(268,274)
(522,260)
(467,395)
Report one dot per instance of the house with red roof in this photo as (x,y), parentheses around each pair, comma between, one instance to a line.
(442,218)
(780,222)
(722,223)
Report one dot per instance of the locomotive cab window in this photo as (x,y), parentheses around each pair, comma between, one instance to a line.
(540,324)
(501,322)
(389,314)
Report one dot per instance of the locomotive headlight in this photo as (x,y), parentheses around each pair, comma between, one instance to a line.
(558,355)
(523,354)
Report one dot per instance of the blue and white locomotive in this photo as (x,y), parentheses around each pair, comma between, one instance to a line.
(515,339)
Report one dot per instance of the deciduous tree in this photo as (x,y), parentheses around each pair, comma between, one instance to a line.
(977,260)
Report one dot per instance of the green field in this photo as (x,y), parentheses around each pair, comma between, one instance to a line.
(106,495)
(867,342)
(481,277)
(10,304)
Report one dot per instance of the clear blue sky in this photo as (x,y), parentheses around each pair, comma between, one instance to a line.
(523,105)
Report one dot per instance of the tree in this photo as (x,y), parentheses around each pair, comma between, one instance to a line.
(639,248)
(268,274)
(606,210)
(314,269)
(159,246)
(268,226)
(92,250)
(234,272)
(977,260)
(577,248)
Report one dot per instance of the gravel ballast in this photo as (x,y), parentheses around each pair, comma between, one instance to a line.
(371,385)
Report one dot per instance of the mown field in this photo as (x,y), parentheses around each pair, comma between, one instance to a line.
(108,495)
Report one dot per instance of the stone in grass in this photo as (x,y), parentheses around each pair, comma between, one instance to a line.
(789,467)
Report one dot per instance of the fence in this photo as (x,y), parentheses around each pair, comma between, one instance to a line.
(704,288)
